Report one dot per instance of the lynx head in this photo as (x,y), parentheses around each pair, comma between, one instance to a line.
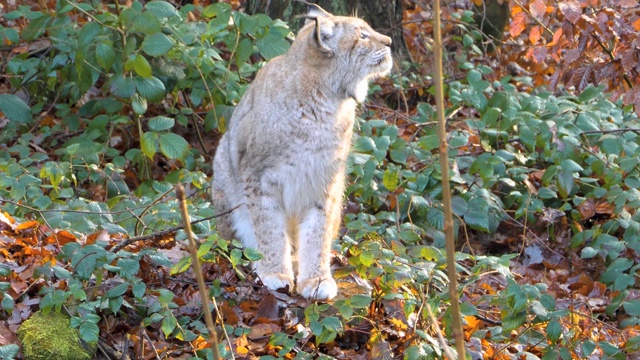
(346,49)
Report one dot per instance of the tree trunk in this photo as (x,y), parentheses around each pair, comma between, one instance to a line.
(385,16)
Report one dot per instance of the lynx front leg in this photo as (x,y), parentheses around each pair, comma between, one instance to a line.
(271,239)
(314,255)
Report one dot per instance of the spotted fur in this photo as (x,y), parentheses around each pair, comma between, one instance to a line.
(283,158)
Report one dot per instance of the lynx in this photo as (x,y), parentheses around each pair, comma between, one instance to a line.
(281,164)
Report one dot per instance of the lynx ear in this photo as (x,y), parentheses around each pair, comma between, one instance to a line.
(324,25)
(315,11)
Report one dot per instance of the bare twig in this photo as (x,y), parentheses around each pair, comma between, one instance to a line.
(446,187)
(197,270)
(146,336)
(434,321)
(612,57)
(132,240)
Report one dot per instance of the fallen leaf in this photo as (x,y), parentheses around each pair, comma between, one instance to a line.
(268,307)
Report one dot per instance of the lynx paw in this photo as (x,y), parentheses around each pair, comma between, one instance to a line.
(320,288)
(275,281)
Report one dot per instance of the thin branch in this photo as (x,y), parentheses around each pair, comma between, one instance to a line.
(612,57)
(171,230)
(524,8)
(87,212)
(197,270)
(443,342)
(456,325)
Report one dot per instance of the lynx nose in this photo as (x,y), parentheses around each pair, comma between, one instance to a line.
(386,40)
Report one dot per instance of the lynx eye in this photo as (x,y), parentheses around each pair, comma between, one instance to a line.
(364,35)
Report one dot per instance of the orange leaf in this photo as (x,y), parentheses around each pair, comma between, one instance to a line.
(636,24)
(472,324)
(587,209)
(516,10)
(534,35)
(9,217)
(28,225)
(518,24)
(199,343)
(556,37)
(605,208)
(61,238)
(20,49)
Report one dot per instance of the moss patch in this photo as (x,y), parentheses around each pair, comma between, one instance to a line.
(50,337)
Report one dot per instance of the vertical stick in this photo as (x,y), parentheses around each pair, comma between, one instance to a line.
(446,188)
(195,263)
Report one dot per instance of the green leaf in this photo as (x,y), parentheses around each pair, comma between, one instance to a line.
(565,183)
(105,55)
(390,179)
(36,28)
(632,345)
(513,321)
(364,144)
(245,49)
(160,123)
(589,93)
(459,206)
(4,270)
(123,87)
(12,35)
(169,323)
(632,307)
(147,23)
(271,46)
(139,104)
(366,258)
(118,290)
(252,254)
(332,323)
(326,336)
(7,304)
(173,146)
(149,143)
(157,44)
(588,252)
(181,266)
(9,351)
(89,332)
(361,300)
(139,289)
(570,165)
(429,142)
(467,309)
(478,215)
(554,330)
(142,66)
(588,347)
(165,297)
(128,267)
(161,9)
(608,348)
(151,88)
(14,108)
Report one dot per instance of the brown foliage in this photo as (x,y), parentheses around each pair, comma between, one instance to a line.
(579,43)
